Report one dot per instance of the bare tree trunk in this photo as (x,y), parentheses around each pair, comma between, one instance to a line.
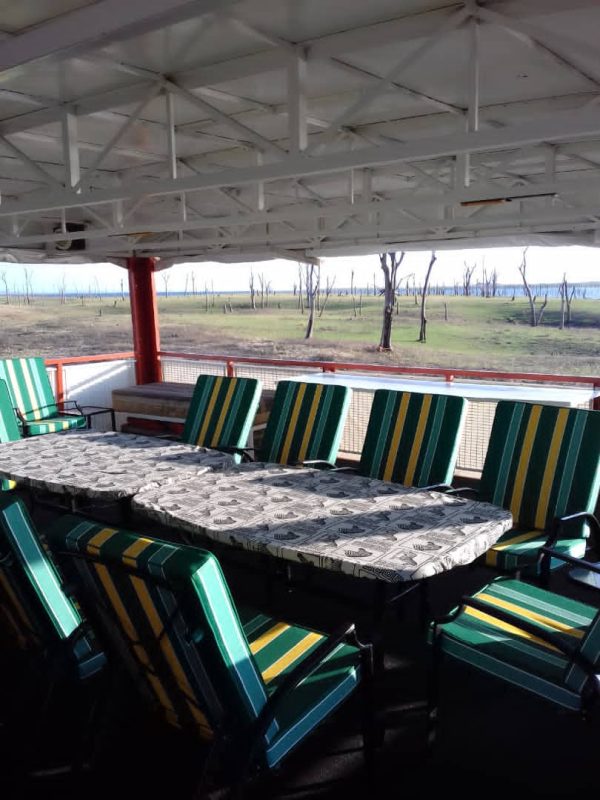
(467,276)
(389,266)
(329,284)
(300,290)
(445,312)
(534,320)
(423,331)
(563,297)
(5,282)
(252,291)
(312,287)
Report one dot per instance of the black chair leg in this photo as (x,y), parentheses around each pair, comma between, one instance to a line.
(372,729)
(433,690)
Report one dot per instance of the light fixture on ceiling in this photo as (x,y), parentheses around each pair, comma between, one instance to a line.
(490,201)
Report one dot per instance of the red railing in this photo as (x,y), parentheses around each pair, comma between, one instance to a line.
(60,363)
(337,366)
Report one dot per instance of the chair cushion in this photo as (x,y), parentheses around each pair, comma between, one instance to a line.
(278,647)
(54,425)
(221,411)
(513,655)
(29,387)
(518,549)
(305,423)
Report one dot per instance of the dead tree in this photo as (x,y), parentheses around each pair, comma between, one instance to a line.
(165,279)
(329,284)
(300,290)
(28,293)
(252,291)
(122,289)
(5,282)
(423,330)
(566,298)
(313,277)
(263,283)
(389,266)
(467,276)
(193,279)
(535,316)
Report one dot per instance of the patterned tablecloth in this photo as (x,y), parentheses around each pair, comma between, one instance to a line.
(103,465)
(363,527)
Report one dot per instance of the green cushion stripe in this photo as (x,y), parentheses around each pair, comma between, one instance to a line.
(9,428)
(242,412)
(273,437)
(41,382)
(506,440)
(378,429)
(564,609)
(17,527)
(431,439)
(54,425)
(197,408)
(513,675)
(313,710)
(331,416)
(571,458)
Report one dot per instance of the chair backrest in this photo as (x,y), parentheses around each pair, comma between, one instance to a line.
(305,423)
(542,462)
(221,411)
(34,610)
(9,427)
(166,612)
(29,387)
(412,438)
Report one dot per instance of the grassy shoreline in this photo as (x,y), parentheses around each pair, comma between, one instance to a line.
(480,333)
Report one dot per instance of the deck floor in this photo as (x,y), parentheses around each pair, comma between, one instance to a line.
(491,738)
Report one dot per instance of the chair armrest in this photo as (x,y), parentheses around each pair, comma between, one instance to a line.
(319,463)
(244,452)
(463,490)
(345,632)
(547,552)
(572,652)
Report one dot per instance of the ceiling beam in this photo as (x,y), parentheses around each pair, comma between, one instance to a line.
(557,127)
(96,24)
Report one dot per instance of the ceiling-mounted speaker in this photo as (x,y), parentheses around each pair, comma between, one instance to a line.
(70,244)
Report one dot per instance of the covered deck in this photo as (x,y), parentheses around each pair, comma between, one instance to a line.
(165,131)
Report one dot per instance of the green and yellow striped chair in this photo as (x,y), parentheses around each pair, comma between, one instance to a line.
(221,412)
(542,463)
(412,438)
(9,427)
(305,423)
(33,400)
(36,615)
(166,613)
(526,636)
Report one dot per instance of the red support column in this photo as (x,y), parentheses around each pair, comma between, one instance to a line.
(144,319)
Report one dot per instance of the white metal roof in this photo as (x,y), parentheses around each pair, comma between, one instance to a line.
(244,130)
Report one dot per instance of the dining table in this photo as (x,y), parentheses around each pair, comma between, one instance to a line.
(110,466)
(332,520)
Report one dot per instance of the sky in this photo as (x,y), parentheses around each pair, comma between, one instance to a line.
(545,265)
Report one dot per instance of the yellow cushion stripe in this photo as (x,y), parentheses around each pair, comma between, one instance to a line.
(418,441)
(532,615)
(33,400)
(521,474)
(132,634)
(130,555)
(166,646)
(310,423)
(504,626)
(291,428)
(209,410)
(398,428)
(292,655)
(550,470)
(96,542)
(491,557)
(267,637)
(223,415)
(10,368)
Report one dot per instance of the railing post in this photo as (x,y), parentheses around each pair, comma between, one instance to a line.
(230,369)
(596,402)
(144,319)
(59,387)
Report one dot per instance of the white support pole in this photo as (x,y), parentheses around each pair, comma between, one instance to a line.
(171,144)
(117,212)
(463,162)
(70,150)
(297,118)
(260,186)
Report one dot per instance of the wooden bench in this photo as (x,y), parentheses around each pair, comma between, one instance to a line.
(155,408)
